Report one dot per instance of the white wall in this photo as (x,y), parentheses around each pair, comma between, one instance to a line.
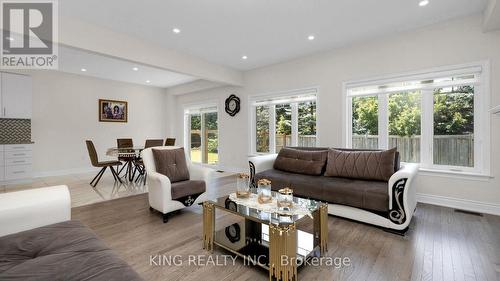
(454,42)
(65,114)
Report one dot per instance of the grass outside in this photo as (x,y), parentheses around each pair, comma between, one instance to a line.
(213,158)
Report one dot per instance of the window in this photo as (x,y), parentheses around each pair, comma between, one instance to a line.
(365,122)
(284,120)
(283,126)
(262,128)
(202,134)
(432,118)
(453,143)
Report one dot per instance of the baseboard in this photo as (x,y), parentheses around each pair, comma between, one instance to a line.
(65,172)
(463,204)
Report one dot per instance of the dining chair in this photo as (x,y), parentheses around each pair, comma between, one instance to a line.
(170,142)
(139,164)
(153,143)
(94,159)
(125,155)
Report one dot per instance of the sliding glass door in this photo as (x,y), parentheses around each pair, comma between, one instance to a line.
(203,136)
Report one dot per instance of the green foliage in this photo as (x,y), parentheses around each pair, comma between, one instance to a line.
(307,118)
(284,119)
(195,122)
(365,115)
(210,121)
(213,144)
(404,114)
(453,113)
(262,128)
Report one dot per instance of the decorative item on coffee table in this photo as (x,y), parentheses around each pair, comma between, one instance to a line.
(243,186)
(285,199)
(264,191)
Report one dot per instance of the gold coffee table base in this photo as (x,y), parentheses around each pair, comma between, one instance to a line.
(282,240)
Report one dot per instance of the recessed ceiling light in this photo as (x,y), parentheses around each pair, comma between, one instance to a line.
(244,57)
(9,38)
(135,68)
(176,30)
(147,81)
(310,37)
(83,69)
(423,3)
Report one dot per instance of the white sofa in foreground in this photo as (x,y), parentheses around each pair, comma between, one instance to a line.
(27,209)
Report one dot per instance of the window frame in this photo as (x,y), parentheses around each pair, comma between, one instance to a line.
(481,115)
(201,108)
(272,100)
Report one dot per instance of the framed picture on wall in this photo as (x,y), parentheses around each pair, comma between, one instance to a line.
(113,111)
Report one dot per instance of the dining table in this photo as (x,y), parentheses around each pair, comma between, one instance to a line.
(129,155)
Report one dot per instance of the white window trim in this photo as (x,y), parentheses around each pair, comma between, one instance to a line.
(187,133)
(279,98)
(481,117)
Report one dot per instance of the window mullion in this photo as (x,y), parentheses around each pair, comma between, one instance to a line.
(272,129)
(383,122)
(348,141)
(203,139)
(187,132)
(253,129)
(427,128)
(295,121)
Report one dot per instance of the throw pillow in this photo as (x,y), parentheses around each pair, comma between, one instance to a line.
(366,165)
(171,163)
(301,161)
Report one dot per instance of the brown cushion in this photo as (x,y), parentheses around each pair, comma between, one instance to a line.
(171,163)
(364,194)
(367,165)
(301,161)
(62,251)
(184,188)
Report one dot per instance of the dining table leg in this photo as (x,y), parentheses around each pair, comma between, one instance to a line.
(130,167)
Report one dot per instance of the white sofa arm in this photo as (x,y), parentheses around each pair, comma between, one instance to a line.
(259,164)
(28,209)
(262,162)
(402,194)
(197,172)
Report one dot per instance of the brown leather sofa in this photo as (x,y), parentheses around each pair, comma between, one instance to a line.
(366,185)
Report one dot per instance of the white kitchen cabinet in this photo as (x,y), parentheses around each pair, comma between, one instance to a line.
(15,162)
(16,96)
(2,165)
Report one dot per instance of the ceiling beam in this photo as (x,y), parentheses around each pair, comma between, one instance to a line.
(195,86)
(491,18)
(85,36)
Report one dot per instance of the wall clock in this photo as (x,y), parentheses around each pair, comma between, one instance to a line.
(232,105)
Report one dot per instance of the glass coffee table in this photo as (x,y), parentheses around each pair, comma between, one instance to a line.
(267,239)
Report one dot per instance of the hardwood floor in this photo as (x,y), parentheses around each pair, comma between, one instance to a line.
(441,244)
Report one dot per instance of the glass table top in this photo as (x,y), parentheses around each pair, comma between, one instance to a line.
(115,151)
(256,215)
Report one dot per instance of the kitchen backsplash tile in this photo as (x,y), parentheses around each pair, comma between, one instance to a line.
(15,131)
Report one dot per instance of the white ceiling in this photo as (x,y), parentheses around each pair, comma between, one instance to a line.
(267,31)
(73,60)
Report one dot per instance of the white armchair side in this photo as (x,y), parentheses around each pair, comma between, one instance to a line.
(28,209)
(159,185)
